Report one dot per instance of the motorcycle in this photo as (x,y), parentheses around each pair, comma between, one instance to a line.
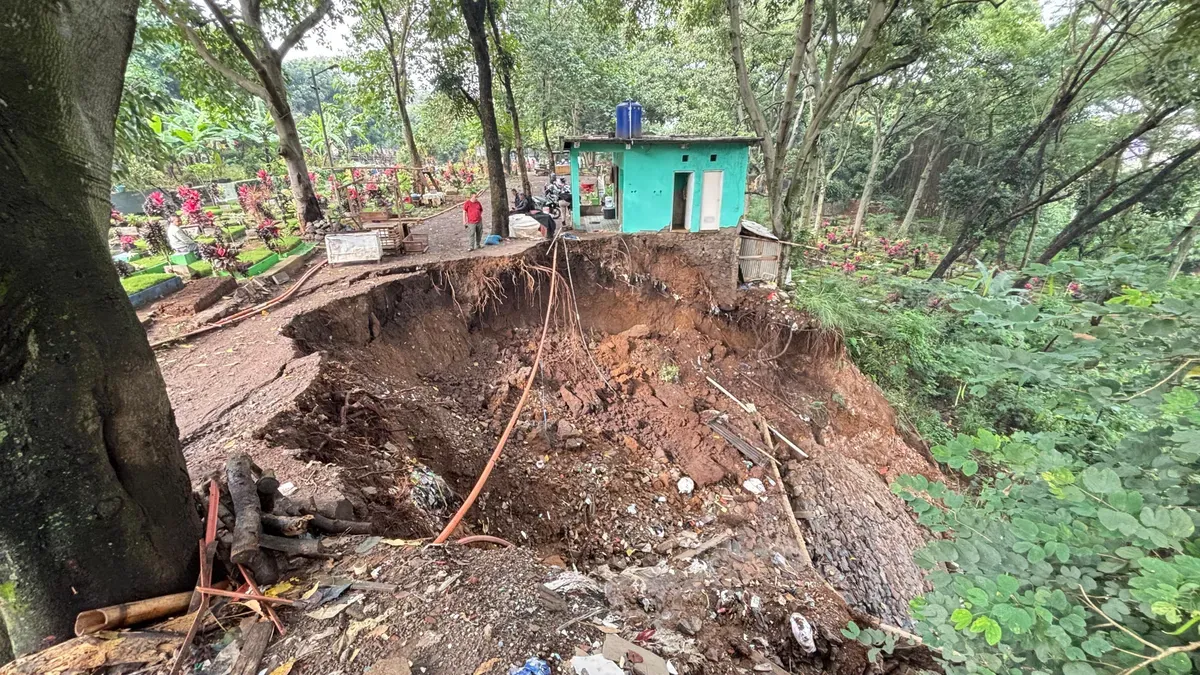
(549,205)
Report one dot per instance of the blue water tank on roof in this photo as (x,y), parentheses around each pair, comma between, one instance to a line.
(629,119)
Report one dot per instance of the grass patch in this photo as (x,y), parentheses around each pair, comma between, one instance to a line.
(201,268)
(255,255)
(832,301)
(140,282)
(206,240)
(141,243)
(288,243)
(235,231)
(152,261)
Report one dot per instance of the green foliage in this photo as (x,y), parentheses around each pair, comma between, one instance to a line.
(140,282)
(668,372)
(255,255)
(286,244)
(150,261)
(201,268)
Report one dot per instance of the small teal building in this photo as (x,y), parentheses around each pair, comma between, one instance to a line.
(672,183)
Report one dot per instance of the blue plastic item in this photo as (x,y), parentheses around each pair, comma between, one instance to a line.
(534,666)
(623,119)
(492,240)
(635,119)
(629,119)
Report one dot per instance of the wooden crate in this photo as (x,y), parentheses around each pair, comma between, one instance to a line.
(416,243)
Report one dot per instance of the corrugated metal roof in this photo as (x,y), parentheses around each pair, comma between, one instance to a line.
(758,230)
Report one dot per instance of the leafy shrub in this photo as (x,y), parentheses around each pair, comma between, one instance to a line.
(140,282)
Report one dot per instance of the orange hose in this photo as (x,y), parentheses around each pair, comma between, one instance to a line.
(512,422)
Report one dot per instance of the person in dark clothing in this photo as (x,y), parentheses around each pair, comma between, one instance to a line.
(520,203)
(546,221)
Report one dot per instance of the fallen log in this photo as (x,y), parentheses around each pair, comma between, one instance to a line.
(131,613)
(268,491)
(334,526)
(287,526)
(247,529)
(308,548)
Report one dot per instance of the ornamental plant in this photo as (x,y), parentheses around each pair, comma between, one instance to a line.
(268,232)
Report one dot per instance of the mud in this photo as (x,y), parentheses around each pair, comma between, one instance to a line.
(379,391)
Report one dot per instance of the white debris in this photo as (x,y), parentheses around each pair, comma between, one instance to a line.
(595,664)
(685,485)
(754,486)
(803,632)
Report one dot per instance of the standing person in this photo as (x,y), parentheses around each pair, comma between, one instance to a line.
(473,220)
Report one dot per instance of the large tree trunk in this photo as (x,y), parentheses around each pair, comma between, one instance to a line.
(1186,241)
(308,209)
(400,78)
(911,213)
(96,506)
(864,201)
(504,62)
(474,14)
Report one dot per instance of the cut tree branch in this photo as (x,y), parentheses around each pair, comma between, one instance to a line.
(297,33)
(250,86)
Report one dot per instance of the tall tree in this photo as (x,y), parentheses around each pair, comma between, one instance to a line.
(474,14)
(505,65)
(246,30)
(398,58)
(97,507)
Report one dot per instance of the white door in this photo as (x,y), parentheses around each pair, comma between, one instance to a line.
(710,200)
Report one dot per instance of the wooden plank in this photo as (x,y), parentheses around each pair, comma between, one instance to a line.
(255,640)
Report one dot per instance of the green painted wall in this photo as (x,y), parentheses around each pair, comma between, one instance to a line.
(647,179)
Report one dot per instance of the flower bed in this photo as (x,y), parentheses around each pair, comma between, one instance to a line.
(143,289)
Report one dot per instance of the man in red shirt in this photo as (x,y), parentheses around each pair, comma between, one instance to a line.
(473,220)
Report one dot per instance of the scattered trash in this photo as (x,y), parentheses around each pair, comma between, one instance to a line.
(570,582)
(367,544)
(754,486)
(288,489)
(686,485)
(803,632)
(487,666)
(430,492)
(632,510)
(326,613)
(595,664)
(643,661)
(533,666)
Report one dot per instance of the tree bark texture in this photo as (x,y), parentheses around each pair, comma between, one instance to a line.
(96,506)
(504,65)
(475,14)
(1186,241)
(911,214)
(864,200)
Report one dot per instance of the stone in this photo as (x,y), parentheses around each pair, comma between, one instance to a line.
(690,625)
(567,430)
(617,648)
(573,443)
(639,331)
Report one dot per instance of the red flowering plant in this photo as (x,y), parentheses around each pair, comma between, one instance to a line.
(128,242)
(155,204)
(375,196)
(269,232)
(223,255)
(253,199)
(353,199)
(115,219)
(264,177)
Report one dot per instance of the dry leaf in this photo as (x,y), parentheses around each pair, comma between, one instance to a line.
(284,668)
(278,589)
(486,666)
(402,542)
(311,592)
